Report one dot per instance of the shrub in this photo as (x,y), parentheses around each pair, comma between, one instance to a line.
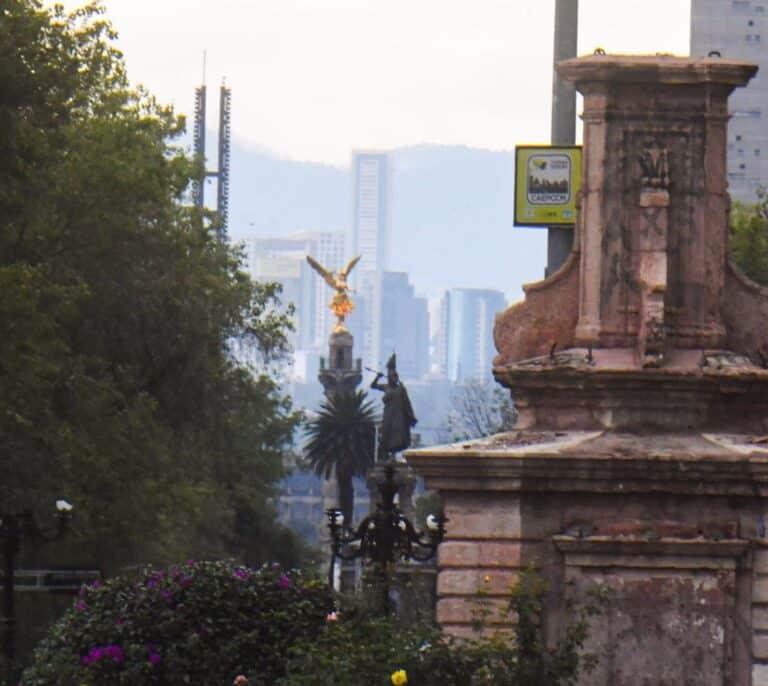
(358,648)
(198,623)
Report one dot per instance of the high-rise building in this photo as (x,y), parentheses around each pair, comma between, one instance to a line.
(738,29)
(371,179)
(283,259)
(404,326)
(467,316)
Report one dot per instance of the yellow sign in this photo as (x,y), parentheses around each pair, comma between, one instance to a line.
(547,179)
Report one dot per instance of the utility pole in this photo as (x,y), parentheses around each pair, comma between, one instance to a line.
(560,238)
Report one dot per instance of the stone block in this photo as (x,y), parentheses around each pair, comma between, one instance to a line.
(480,554)
(760,618)
(468,582)
(760,561)
(760,646)
(760,675)
(467,610)
(466,631)
(760,589)
(495,522)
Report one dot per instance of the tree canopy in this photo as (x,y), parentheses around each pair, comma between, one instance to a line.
(118,309)
(749,238)
(341,440)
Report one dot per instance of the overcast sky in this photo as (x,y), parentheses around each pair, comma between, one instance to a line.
(314,79)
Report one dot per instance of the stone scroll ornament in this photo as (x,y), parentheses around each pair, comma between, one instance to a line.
(654,163)
(341,304)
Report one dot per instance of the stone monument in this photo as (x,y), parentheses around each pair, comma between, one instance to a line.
(339,373)
(640,457)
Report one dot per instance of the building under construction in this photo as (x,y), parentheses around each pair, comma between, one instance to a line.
(221,174)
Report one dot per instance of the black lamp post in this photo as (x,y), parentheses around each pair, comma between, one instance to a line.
(384,537)
(14,528)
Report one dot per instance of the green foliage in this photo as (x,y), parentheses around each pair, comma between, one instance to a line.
(749,238)
(341,441)
(361,649)
(200,623)
(119,308)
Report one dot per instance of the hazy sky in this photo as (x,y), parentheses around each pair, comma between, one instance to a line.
(314,79)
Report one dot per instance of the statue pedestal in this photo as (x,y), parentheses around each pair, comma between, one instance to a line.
(404,479)
(673,523)
(641,461)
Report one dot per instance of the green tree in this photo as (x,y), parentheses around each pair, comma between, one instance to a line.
(119,308)
(749,238)
(342,441)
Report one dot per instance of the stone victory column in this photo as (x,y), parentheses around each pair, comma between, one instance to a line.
(340,374)
(640,459)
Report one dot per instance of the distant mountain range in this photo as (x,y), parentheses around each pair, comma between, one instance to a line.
(452,210)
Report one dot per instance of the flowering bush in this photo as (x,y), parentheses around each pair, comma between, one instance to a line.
(198,623)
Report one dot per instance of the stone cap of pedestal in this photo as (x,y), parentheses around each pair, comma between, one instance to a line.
(580,388)
(599,462)
(341,337)
(657,69)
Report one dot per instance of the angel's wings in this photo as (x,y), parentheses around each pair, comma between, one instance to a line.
(327,276)
(344,273)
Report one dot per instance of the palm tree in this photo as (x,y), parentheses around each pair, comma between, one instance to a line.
(342,440)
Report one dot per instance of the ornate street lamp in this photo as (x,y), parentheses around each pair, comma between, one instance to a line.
(386,536)
(14,528)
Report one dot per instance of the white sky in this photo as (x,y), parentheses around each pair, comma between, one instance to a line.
(315,79)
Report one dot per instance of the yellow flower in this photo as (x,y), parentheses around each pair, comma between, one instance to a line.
(399,678)
(487,579)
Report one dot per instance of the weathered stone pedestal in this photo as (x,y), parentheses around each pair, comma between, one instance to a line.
(641,459)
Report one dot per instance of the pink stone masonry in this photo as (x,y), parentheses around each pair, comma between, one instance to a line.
(640,457)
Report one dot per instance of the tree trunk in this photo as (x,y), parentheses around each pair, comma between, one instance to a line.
(346,496)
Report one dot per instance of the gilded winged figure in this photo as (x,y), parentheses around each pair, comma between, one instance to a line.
(341,304)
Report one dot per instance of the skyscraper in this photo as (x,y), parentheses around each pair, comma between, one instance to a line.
(467,317)
(371,178)
(738,29)
(370,231)
(283,259)
(404,326)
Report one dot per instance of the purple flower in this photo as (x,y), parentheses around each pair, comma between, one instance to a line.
(81,606)
(95,584)
(116,653)
(154,579)
(241,574)
(154,659)
(186,581)
(191,562)
(283,581)
(166,595)
(94,655)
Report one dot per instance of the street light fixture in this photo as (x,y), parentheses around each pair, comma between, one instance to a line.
(14,528)
(386,536)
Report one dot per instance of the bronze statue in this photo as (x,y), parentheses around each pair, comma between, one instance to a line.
(341,304)
(398,417)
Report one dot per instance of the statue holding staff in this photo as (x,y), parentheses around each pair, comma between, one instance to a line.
(398,413)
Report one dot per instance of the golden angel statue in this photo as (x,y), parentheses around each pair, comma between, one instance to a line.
(341,305)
